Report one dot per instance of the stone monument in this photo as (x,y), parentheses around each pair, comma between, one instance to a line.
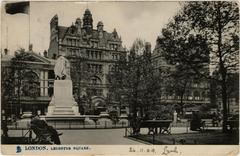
(62,104)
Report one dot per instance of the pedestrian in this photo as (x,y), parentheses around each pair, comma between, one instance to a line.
(214,120)
(5,129)
(40,126)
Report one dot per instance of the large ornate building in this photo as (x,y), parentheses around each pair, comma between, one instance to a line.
(92,53)
(191,95)
(27,82)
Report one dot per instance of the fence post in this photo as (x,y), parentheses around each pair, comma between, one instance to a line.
(95,124)
(187,126)
(174,141)
(126,132)
(153,139)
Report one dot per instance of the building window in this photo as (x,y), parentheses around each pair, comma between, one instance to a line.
(113,46)
(94,92)
(196,95)
(51,77)
(95,80)
(88,54)
(94,44)
(31,85)
(195,85)
(92,54)
(100,55)
(203,95)
(95,68)
(96,54)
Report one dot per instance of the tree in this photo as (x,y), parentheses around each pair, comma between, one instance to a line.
(134,78)
(18,67)
(181,82)
(203,32)
(79,74)
(7,89)
(12,81)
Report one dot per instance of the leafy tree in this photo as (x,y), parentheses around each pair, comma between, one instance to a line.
(134,78)
(7,89)
(18,67)
(204,32)
(19,80)
(79,74)
(181,82)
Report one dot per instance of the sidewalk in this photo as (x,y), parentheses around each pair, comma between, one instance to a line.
(88,136)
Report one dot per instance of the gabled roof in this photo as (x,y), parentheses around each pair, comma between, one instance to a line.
(39,58)
(106,36)
(62,31)
(31,57)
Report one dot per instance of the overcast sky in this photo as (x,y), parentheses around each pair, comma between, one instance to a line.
(131,19)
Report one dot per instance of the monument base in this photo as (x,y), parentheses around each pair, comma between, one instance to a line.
(63,103)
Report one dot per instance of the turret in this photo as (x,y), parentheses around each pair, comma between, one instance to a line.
(54,22)
(53,27)
(87,21)
(100,26)
(78,25)
(115,34)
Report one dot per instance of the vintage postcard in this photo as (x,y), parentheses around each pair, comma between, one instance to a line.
(120,78)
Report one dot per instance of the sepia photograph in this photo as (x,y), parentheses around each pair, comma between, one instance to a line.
(129,73)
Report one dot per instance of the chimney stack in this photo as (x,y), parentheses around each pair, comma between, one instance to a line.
(148,47)
(45,54)
(30,48)
(5,51)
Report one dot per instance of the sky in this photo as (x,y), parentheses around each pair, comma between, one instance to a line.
(131,19)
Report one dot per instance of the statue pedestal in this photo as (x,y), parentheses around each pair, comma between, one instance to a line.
(63,103)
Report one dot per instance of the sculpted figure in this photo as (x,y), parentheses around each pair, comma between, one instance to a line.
(62,69)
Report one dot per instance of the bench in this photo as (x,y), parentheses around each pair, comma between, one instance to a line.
(233,125)
(163,125)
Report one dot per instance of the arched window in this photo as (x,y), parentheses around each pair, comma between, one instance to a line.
(203,95)
(95,80)
(31,85)
(196,95)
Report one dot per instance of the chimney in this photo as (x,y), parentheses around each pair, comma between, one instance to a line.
(45,54)
(148,47)
(5,51)
(30,48)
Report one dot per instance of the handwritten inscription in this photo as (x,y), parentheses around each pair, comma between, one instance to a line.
(166,150)
(151,150)
(142,150)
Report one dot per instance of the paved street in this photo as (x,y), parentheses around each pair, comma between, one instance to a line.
(100,136)
(89,136)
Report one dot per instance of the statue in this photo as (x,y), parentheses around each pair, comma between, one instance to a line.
(62,69)
(62,103)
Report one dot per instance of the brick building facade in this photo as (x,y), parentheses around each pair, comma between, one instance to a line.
(92,53)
